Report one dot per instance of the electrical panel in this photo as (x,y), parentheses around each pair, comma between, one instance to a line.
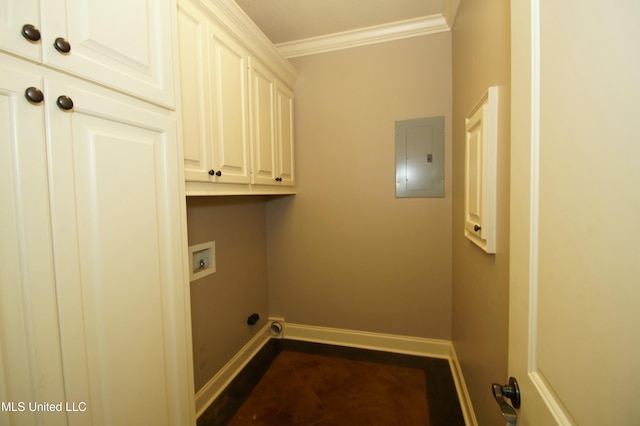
(420,157)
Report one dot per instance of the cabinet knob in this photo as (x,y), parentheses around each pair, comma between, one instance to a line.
(211,172)
(34,95)
(62,45)
(30,32)
(218,173)
(476,228)
(64,103)
(278,179)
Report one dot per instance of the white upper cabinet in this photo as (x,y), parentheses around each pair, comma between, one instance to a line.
(123,44)
(263,136)
(195,106)
(20,29)
(236,105)
(215,118)
(272,128)
(284,135)
(196,92)
(230,111)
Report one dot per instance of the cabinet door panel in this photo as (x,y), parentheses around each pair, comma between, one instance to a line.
(481,127)
(473,175)
(30,361)
(125,44)
(262,107)
(231,146)
(197,133)
(13,15)
(116,226)
(284,114)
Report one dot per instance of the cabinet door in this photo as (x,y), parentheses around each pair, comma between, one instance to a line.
(13,16)
(480,172)
(230,109)
(196,91)
(30,361)
(263,125)
(284,135)
(474,166)
(124,44)
(117,233)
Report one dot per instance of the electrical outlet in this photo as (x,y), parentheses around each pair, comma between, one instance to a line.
(203,260)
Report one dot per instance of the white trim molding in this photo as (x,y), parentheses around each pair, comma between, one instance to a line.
(461,387)
(419,346)
(424,25)
(210,391)
(361,37)
(451,11)
(234,20)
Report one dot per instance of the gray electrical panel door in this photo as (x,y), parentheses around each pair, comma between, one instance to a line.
(420,158)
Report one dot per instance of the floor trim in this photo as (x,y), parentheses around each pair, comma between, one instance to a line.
(367,340)
(461,387)
(210,391)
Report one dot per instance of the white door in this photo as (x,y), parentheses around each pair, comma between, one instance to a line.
(575,193)
(117,239)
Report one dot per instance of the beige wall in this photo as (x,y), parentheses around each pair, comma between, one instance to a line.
(481,58)
(344,252)
(221,302)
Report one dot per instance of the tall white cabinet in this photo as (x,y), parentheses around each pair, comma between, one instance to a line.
(94,307)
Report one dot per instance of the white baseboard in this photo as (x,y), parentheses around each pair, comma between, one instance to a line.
(366,340)
(434,348)
(461,388)
(213,388)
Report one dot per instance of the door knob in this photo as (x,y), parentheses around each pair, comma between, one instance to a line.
(62,45)
(64,103)
(30,32)
(510,392)
(34,95)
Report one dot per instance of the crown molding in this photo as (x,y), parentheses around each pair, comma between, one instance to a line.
(450,11)
(234,20)
(370,35)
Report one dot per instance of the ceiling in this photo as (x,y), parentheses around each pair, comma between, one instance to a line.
(299,27)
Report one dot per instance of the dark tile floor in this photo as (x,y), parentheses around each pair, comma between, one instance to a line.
(299,383)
